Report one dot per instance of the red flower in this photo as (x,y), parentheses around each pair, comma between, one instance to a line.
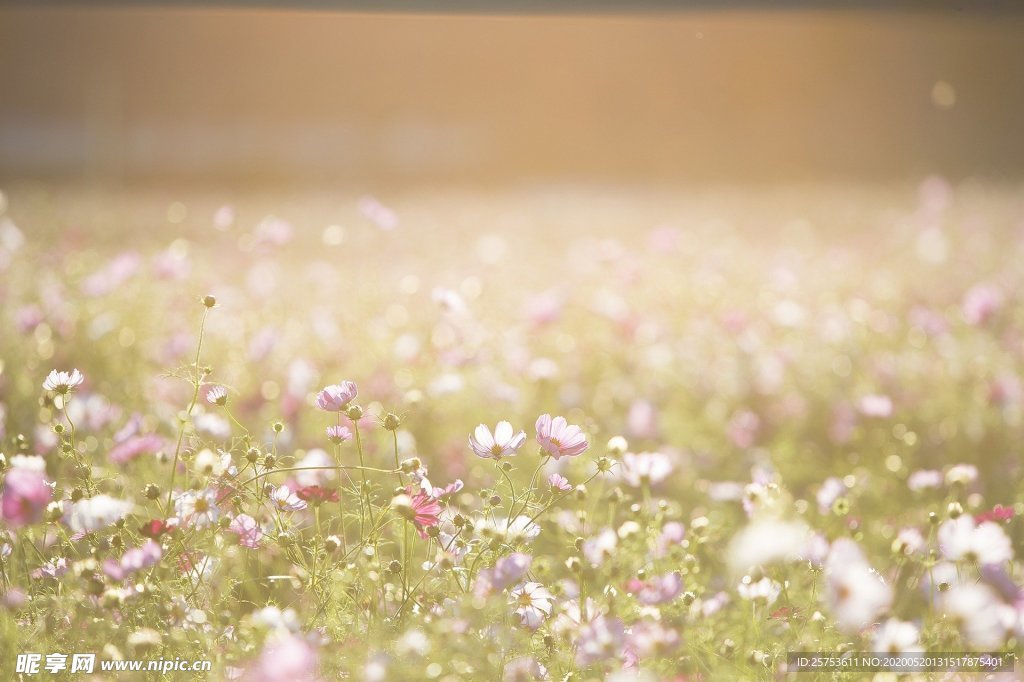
(157,527)
(998,513)
(317,495)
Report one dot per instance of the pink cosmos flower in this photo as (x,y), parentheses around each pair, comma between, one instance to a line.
(645,467)
(425,512)
(284,659)
(657,590)
(63,382)
(133,446)
(336,397)
(447,491)
(25,496)
(981,302)
(559,438)
(134,560)
(217,395)
(506,571)
(503,443)
(248,531)
(599,639)
(559,482)
(337,433)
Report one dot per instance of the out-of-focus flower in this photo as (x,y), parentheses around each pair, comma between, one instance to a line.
(831,490)
(998,514)
(286,658)
(133,446)
(981,302)
(985,543)
(657,590)
(379,214)
(598,548)
(855,592)
(743,428)
(980,614)
(248,530)
(765,589)
(336,397)
(600,639)
(315,494)
(642,419)
(897,637)
(879,406)
(95,513)
(26,495)
(640,468)
(210,463)
(309,473)
(503,443)
(924,478)
(63,382)
(134,560)
(506,571)
(533,603)
(764,542)
(559,438)
(961,474)
(651,638)
(524,669)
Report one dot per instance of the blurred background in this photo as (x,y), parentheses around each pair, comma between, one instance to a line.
(244,96)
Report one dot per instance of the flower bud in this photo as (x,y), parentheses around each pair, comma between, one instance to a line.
(209,301)
(151,491)
(392,421)
(354,412)
(332,543)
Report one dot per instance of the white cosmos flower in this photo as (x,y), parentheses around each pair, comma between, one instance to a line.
(503,443)
(533,603)
(63,382)
(30,462)
(600,547)
(897,637)
(765,542)
(197,508)
(855,592)
(981,615)
(765,589)
(639,467)
(95,513)
(519,528)
(211,463)
(961,538)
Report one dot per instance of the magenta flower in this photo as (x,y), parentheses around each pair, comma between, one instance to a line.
(426,512)
(559,438)
(25,496)
(503,443)
(336,397)
(248,531)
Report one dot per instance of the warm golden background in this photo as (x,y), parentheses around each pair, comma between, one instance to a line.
(304,97)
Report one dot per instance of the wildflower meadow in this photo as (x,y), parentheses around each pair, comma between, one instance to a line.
(544,434)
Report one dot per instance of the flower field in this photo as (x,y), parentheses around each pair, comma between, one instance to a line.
(549,433)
